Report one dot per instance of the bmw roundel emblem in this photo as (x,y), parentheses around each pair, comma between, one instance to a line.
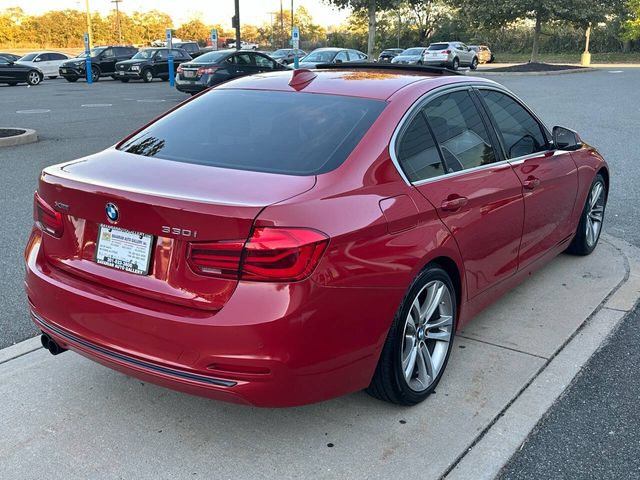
(112,212)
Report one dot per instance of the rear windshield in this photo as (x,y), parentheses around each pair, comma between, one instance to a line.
(438,46)
(212,57)
(413,51)
(290,133)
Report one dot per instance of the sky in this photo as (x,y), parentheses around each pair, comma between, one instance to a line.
(212,11)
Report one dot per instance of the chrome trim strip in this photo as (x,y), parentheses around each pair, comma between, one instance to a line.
(442,90)
(130,360)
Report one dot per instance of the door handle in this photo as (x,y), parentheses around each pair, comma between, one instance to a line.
(453,204)
(531,183)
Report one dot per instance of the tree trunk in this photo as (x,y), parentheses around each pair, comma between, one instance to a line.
(536,37)
(372,28)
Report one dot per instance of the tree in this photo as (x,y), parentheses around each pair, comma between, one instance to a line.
(497,13)
(427,15)
(194,29)
(370,6)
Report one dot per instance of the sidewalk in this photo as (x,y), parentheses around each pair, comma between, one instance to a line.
(66,417)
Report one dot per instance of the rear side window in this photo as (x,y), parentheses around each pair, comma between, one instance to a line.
(460,131)
(417,152)
(265,131)
(520,133)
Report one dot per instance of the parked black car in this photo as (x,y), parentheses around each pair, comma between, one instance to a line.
(286,56)
(192,48)
(10,56)
(150,63)
(103,62)
(14,73)
(216,67)
(389,54)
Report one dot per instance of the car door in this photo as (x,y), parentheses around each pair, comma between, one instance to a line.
(242,64)
(43,62)
(5,72)
(160,63)
(341,57)
(549,178)
(56,60)
(479,196)
(108,61)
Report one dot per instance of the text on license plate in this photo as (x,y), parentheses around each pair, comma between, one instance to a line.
(124,249)
(189,74)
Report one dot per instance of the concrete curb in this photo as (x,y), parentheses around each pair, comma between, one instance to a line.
(19,349)
(29,136)
(494,447)
(533,74)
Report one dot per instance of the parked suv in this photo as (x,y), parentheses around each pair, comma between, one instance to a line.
(450,54)
(389,54)
(103,62)
(484,53)
(150,63)
(192,48)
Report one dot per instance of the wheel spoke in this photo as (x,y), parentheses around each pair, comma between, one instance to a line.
(439,336)
(425,366)
(595,194)
(432,301)
(409,363)
(589,231)
(443,321)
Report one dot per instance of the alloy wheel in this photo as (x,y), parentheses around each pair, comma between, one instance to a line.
(595,213)
(34,78)
(427,334)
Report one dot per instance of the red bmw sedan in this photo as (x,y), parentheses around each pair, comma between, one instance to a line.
(287,238)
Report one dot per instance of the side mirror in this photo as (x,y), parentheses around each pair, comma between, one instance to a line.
(37,59)
(566,139)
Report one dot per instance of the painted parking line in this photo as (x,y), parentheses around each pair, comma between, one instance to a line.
(35,110)
(97,105)
(616,71)
(152,100)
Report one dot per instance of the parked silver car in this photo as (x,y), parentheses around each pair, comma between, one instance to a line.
(451,55)
(411,55)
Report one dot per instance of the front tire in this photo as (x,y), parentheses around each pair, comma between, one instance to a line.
(474,63)
(455,64)
(71,79)
(124,80)
(34,77)
(590,225)
(95,74)
(147,76)
(419,341)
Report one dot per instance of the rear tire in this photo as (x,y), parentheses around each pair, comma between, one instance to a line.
(124,80)
(455,64)
(71,79)
(95,74)
(417,348)
(591,220)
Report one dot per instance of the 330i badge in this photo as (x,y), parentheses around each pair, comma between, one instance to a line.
(330,235)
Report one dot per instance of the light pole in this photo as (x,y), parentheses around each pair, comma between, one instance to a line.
(291,32)
(237,25)
(117,2)
(282,23)
(89,26)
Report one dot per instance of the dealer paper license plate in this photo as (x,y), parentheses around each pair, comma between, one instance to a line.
(124,249)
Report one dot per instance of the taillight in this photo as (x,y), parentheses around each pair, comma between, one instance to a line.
(446,51)
(270,255)
(46,218)
(207,70)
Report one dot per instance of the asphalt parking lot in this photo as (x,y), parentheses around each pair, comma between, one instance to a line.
(76,119)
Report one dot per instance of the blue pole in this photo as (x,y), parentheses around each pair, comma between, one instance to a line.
(296,64)
(172,75)
(88,69)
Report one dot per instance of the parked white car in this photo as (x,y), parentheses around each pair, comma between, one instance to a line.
(245,45)
(47,62)
(451,55)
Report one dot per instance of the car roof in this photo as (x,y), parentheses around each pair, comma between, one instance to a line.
(331,49)
(373,83)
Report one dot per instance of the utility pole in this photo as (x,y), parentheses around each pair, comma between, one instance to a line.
(291,32)
(89,26)
(282,24)
(271,14)
(237,24)
(117,2)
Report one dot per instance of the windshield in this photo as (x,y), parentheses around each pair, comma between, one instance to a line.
(324,56)
(413,51)
(211,57)
(262,131)
(144,54)
(438,46)
(28,58)
(94,52)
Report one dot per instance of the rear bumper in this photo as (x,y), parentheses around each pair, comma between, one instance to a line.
(437,63)
(271,345)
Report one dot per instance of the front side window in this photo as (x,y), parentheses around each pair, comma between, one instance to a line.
(263,62)
(520,133)
(342,57)
(460,131)
(417,152)
(108,53)
(262,131)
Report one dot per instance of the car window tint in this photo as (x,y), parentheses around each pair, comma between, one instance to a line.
(460,131)
(417,152)
(520,133)
(266,131)
(58,56)
(108,53)
(342,56)
(243,59)
(263,62)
